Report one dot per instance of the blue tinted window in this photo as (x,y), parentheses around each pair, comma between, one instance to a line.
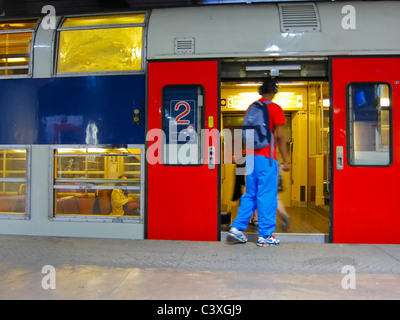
(369,124)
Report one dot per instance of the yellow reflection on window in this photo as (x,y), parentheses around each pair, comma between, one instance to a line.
(111,49)
(15,43)
(13,184)
(15,46)
(104,20)
(19,25)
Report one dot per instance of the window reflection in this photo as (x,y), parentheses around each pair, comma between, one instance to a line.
(101,43)
(15,47)
(13,179)
(369,124)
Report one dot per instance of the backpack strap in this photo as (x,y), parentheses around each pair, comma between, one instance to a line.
(264,108)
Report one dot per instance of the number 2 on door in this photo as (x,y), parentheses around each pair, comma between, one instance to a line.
(185,112)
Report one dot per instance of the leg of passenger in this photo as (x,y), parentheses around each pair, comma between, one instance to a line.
(267,202)
(247,203)
(285,218)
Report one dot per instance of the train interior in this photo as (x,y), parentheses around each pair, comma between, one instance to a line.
(305,191)
(94,181)
(85,180)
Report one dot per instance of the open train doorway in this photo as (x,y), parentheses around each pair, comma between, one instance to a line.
(305,188)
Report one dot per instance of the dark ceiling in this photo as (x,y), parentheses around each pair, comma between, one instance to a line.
(27,8)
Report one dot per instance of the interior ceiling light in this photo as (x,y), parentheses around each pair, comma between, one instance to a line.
(277,67)
(252,84)
(291,83)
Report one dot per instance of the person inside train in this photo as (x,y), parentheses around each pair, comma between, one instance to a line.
(284,216)
(261,182)
(121,203)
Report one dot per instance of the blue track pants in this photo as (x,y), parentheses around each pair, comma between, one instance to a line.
(261,193)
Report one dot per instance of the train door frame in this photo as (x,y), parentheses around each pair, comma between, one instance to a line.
(299,105)
(203,222)
(360,222)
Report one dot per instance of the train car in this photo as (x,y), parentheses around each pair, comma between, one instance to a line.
(150,104)
(72,126)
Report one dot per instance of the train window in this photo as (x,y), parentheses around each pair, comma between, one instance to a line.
(104,20)
(101,44)
(13,182)
(16,47)
(369,124)
(97,183)
(183,119)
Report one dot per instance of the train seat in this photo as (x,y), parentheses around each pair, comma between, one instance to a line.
(85,203)
(76,204)
(16,203)
(103,202)
(69,205)
(4,207)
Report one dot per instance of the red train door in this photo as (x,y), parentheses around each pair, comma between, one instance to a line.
(182,159)
(366,162)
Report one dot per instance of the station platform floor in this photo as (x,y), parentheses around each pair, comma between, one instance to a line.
(115,269)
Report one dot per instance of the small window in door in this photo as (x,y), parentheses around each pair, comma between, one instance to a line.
(183,119)
(369,124)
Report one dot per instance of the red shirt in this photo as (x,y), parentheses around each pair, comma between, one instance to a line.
(276,118)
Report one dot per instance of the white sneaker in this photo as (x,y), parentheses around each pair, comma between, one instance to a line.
(238,235)
(267,241)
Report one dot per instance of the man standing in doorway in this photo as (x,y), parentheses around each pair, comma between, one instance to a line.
(261,180)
